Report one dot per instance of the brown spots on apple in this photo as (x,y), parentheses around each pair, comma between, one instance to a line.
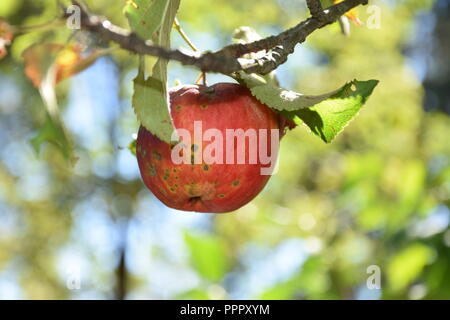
(221,195)
(204,106)
(205,167)
(205,191)
(151,169)
(156,155)
(166,174)
(208,190)
(235,183)
(192,189)
(173,188)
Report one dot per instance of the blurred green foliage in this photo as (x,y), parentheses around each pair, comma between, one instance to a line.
(378,195)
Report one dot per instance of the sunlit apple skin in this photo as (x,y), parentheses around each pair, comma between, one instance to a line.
(214,188)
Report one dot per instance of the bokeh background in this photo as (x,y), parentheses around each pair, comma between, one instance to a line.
(378,195)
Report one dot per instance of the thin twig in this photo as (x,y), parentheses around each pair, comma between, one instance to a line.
(183,34)
(20,30)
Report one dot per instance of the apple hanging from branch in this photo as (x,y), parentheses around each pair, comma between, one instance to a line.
(228,134)
(227,149)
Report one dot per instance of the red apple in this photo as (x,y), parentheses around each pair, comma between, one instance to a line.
(204,186)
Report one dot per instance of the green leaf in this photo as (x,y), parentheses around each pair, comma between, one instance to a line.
(310,280)
(53,132)
(406,266)
(194,294)
(282,99)
(280,291)
(151,105)
(326,115)
(146,16)
(42,71)
(208,255)
(329,117)
(151,99)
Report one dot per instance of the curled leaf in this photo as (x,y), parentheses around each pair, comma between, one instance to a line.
(326,115)
(329,117)
(38,60)
(351,14)
(6,36)
(71,61)
(65,61)
(46,65)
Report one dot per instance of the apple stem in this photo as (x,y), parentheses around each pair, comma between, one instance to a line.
(201,77)
(204,79)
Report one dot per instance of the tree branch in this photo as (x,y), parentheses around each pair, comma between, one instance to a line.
(227,60)
(315,7)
